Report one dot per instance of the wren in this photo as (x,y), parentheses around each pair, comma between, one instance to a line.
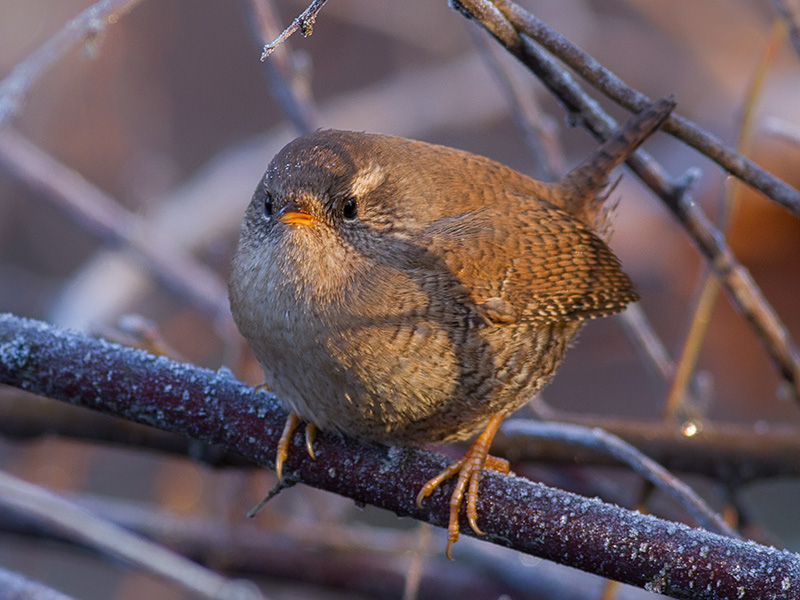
(401,292)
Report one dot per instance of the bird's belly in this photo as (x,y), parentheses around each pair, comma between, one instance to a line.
(365,382)
(383,379)
(410,382)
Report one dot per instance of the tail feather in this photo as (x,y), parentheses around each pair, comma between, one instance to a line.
(583,186)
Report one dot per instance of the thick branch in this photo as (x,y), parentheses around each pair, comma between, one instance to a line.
(642,550)
(733,454)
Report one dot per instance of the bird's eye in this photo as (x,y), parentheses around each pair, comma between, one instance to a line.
(350,209)
(268,205)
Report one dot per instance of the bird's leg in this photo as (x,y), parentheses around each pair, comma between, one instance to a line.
(292,421)
(470,470)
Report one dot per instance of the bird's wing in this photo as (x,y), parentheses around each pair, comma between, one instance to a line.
(537,263)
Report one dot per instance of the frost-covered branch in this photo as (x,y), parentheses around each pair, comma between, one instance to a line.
(588,534)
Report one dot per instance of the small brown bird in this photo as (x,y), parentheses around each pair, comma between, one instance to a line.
(400,292)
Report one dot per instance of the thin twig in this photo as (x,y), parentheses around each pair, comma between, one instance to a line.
(304,22)
(677,398)
(83,28)
(663,556)
(103,535)
(606,442)
(288,77)
(638,327)
(639,330)
(742,289)
(282,484)
(613,87)
(732,454)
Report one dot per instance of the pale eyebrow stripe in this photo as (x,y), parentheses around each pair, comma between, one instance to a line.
(367,179)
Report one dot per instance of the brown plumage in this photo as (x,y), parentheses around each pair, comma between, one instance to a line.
(402,292)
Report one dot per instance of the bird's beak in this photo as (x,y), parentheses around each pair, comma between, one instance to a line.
(295,214)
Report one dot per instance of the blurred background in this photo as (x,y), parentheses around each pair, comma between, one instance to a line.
(169,112)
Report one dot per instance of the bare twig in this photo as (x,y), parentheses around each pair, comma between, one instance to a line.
(742,289)
(613,87)
(289,80)
(729,453)
(85,527)
(606,442)
(83,28)
(666,557)
(637,327)
(105,218)
(304,22)
(677,396)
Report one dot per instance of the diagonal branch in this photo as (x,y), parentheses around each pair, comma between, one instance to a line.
(304,22)
(616,89)
(642,550)
(608,443)
(105,218)
(81,525)
(83,28)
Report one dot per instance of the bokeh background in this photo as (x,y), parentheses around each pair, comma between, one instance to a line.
(169,112)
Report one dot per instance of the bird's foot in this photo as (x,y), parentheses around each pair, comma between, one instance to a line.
(282,453)
(470,471)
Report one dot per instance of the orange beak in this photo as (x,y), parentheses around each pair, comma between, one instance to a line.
(294,214)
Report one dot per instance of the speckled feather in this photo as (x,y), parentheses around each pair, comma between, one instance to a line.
(450,297)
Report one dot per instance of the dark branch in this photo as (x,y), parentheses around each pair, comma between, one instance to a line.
(642,550)
(616,89)
(732,454)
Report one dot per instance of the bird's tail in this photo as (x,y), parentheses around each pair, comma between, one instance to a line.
(583,187)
